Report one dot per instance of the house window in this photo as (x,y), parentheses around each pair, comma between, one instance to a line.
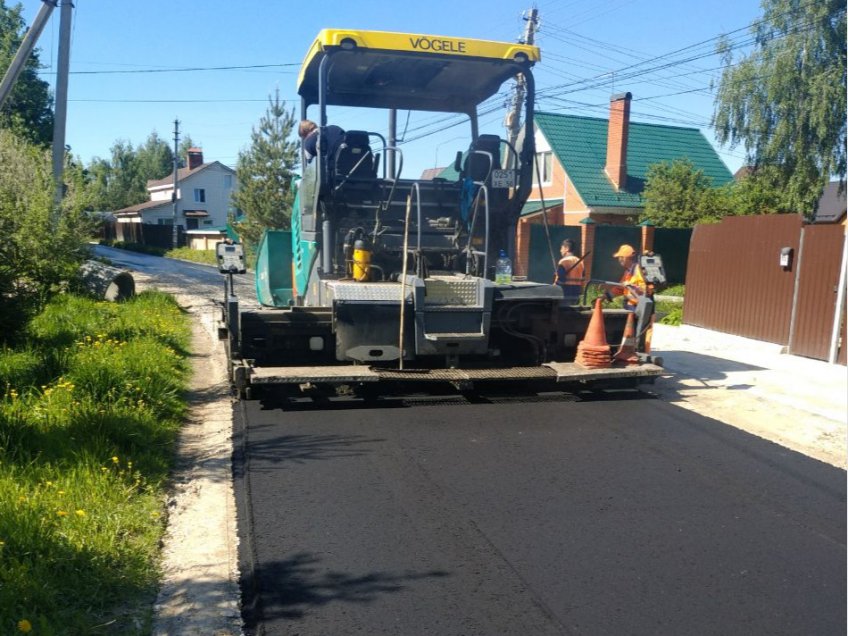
(545,168)
(199,195)
(165,221)
(228,181)
(207,222)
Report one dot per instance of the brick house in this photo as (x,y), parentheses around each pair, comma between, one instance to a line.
(593,170)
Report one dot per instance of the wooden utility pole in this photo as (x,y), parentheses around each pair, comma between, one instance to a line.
(60,112)
(512,122)
(174,195)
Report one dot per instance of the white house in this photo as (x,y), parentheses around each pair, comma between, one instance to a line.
(203,200)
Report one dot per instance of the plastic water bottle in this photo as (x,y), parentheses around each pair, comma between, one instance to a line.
(503,269)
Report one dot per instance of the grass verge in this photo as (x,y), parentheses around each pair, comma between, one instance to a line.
(207,257)
(92,400)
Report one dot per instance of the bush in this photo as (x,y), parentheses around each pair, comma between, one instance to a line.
(140,248)
(43,246)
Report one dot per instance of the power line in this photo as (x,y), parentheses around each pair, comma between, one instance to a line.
(189,69)
(174,101)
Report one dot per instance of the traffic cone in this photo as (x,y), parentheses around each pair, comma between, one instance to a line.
(627,351)
(593,351)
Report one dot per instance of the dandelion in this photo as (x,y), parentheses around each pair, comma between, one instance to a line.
(60,492)
(115,459)
(61,513)
(80,513)
(24,626)
(22,499)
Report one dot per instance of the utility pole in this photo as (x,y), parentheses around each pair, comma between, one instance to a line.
(512,122)
(174,197)
(60,112)
(25,49)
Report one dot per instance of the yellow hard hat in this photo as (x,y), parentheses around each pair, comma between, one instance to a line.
(625,250)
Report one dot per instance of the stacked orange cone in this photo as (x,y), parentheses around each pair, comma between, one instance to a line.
(593,351)
(626,353)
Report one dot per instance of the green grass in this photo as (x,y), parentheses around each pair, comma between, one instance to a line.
(198,256)
(90,407)
(674,290)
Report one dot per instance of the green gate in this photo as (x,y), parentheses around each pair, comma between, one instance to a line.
(672,244)
(608,238)
(539,267)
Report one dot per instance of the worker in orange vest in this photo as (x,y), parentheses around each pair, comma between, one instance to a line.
(632,283)
(570,272)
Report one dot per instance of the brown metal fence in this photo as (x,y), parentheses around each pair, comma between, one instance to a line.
(818,280)
(735,282)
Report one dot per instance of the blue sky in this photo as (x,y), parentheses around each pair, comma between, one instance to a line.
(590,50)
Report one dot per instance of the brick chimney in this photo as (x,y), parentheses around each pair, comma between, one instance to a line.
(195,158)
(619,122)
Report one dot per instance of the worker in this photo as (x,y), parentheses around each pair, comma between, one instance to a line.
(570,270)
(632,284)
(308,132)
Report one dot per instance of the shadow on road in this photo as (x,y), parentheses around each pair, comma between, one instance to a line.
(282,449)
(392,397)
(290,588)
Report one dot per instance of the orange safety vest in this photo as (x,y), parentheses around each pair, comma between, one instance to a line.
(633,277)
(570,271)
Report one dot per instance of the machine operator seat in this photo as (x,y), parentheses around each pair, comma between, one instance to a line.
(354,161)
(484,155)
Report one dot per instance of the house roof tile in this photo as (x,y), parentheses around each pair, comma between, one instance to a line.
(580,145)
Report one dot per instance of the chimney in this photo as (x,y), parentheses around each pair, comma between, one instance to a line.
(195,158)
(619,122)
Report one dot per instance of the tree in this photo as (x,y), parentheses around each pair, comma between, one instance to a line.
(265,172)
(760,192)
(122,181)
(785,101)
(678,195)
(39,254)
(155,159)
(126,185)
(28,110)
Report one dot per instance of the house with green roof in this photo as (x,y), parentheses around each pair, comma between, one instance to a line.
(594,169)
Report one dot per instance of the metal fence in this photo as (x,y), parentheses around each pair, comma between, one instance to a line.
(769,278)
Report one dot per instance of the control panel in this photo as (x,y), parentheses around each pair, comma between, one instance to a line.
(652,268)
(230,258)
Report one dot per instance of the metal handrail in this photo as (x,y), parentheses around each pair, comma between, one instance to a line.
(483,192)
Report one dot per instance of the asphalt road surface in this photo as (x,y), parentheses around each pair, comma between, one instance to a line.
(198,279)
(548,514)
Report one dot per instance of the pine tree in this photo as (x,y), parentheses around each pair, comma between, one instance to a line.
(785,101)
(265,172)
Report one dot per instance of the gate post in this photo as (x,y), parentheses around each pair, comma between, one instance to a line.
(840,304)
(587,244)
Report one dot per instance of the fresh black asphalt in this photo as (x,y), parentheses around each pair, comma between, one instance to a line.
(535,515)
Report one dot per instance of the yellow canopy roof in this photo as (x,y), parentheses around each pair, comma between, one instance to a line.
(410,71)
